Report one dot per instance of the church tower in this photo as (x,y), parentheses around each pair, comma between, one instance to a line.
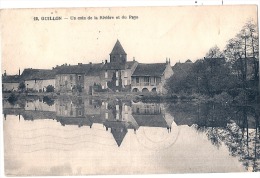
(118,54)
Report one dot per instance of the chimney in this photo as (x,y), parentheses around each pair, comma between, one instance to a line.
(166,60)
(5,73)
(79,64)
(169,61)
(133,58)
(102,62)
(90,63)
(105,61)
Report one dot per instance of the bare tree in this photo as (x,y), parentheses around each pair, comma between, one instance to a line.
(214,52)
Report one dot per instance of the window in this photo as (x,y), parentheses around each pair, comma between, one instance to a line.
(106,76)
(158,80)
(117,84)
(80,113)
(79,77)
(125,74)
(125,82)
(116,73)
(106,115)
(105,85)
(117,107)
(137,79)
(152,80)
(117,116)
(71,77)
(146,79)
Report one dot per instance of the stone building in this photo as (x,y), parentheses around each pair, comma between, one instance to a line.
(38,79)
(151,77)
(117,73)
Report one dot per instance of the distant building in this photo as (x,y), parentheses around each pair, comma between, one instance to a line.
(38,79)
(117,73)
(151,77)
(10,83)
(71,77)
(182,68)
(151,115)
(92,78)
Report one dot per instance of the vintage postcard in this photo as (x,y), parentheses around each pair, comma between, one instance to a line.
(130,90)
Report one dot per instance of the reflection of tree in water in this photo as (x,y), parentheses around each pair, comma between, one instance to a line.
(241,135)
(236,127)
(48,101)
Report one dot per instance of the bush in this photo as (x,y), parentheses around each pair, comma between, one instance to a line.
(12,99)
(50,88)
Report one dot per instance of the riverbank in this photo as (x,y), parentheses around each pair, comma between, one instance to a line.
(144,97)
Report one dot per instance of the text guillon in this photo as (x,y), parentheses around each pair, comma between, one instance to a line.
(102,17)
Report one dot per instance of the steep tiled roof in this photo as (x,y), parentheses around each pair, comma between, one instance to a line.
(151,120)
(73,69)
(182,67)
(33,115)
(80,121)
(130,64)
(118,49)
(114,66)
(156,69)
(40,74)
(28,73)
(118,135)
(11,79)
(118,130)
(95,70)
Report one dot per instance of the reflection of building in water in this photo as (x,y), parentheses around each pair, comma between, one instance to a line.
(70,111)
(38,109)
(30,109)
(12,109)
(151,115)
(118,117)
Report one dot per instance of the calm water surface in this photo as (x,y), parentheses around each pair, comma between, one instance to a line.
(82,136)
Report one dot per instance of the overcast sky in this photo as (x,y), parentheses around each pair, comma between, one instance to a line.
(178,33)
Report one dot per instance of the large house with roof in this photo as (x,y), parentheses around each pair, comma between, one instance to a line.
(38,79)
(71,77)
(151,77)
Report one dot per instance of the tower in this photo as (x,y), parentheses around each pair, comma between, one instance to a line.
(118,54)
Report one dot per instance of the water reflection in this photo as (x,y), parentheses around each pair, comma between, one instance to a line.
(235,128)
(117,116)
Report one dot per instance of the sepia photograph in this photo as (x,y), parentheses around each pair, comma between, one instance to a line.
(130,90)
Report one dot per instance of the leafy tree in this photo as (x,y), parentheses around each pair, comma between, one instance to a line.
(21,86)
(50,88)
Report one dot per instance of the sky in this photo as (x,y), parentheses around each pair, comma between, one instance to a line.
(178,33)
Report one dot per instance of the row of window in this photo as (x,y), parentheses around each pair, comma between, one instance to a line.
(124,73)
(148,80)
